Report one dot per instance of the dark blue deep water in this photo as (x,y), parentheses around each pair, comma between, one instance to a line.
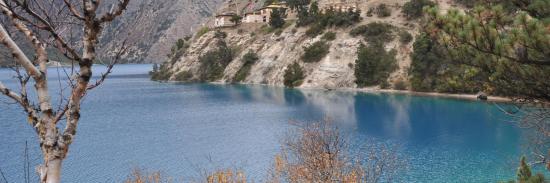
(182,129)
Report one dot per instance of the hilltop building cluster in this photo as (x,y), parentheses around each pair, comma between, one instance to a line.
(256,13)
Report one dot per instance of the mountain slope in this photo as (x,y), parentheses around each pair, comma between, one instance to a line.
(277,50)
(155,25)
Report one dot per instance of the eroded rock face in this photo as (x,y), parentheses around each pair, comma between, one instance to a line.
(277,51)
(156,25)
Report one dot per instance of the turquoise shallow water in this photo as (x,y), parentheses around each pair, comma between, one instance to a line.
(181,129)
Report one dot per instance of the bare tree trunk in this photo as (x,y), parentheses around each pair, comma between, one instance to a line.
(51,171)
(43,118)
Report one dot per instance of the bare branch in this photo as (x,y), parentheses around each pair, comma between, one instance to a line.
(47,26)
(73,10)
(4,90)
(113,13)
(17,53)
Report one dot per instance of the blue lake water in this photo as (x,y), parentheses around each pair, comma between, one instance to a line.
(181,129)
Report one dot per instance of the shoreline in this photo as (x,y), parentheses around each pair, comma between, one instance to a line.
(460,96)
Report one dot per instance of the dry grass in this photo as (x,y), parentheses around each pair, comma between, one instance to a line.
(139,176)
(226,176)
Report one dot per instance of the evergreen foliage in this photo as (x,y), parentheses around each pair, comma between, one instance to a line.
(414,8)
(308,16)
(160,73)
(374,65)
(294,75)
(298,4)
(329,36)
(382,10)
(184,76)
(405,37)
(236,19)
(316,52)
(511,42)
(375,32)
(432,69)
(513,48)
(319,21)
(249,59)
(276,20)
(213,62)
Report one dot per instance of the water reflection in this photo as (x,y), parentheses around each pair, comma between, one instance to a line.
(172,127)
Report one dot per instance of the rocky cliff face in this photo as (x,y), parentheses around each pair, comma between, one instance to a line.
(155,25)
(151,26)
(276,51)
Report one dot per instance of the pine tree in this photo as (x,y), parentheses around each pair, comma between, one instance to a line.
(276,19)
(511,41)
(294,76)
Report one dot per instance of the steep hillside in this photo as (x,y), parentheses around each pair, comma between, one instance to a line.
(153,27)
(156,25)
(280,48)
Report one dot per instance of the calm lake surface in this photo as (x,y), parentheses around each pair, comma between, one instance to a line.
(182,129)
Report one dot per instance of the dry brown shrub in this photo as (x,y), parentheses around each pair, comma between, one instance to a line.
(226,176)
(317,152)
(138,176)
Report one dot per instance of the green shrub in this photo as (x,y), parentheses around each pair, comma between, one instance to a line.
(333,18)
(236,19)
(213,63)
(467,3)
(375,32)
(358,31)
(294,75)
(329,36)
(316,52)
(319,21)
(276,20)
(180,43)
(160,73)
(405,37)
(382,10)
(220,34)
(249,59)
(370,11)
(315,30)
(184,76)
(415,8)
(308,16)
(374,65)
(379,32)
(202,31)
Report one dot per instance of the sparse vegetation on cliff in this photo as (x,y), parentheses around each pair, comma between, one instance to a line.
(160,73)
(294,75)
(382,10)
(319,21)
(213,63)
(414,8)
(374,65)
(202,31)
(375,32)
(316,52)
(248,61)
